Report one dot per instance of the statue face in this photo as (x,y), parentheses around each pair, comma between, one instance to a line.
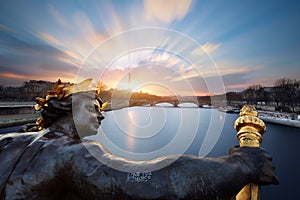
(86,113)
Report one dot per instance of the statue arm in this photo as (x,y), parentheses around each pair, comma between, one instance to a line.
(186,177)
(191,177)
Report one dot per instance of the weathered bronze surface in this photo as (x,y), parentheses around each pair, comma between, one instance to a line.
(55,164)
(60,92)
(250,129)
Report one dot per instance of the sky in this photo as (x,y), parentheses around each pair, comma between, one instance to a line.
(165,47)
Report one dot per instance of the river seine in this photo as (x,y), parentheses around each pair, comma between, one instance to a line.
(143,133)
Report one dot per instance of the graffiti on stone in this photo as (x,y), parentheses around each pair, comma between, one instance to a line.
(139,177)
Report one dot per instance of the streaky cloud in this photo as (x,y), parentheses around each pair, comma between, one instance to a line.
(166,11)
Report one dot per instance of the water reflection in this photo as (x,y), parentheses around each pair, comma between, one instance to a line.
(188,105)
(130,141)
(280,141)
(164,104)
(143,133)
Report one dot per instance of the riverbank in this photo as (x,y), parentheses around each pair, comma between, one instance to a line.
(23,112)
(268,114)
(288,119)
(18,119)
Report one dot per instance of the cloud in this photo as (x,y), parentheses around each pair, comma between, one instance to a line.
(113,23)
(12,75)
(245,69)
(78,35)
(49,38)
(181,78)
(8,78)
(215,81)
(163,59)
(22,60)
(166,11)
(206,48)
(185,73)
(4,28)
(86,29)
(58,17)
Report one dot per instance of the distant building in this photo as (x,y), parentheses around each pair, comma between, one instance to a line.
(33,89)
(10,93)
(27,92)
(267,89)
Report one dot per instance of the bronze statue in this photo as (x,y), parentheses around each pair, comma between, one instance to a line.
(55,164)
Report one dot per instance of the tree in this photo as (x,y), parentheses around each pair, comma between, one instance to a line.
(101,86)
(254,94)
(286,91)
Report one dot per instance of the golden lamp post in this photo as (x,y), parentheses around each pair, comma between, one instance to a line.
(250,129)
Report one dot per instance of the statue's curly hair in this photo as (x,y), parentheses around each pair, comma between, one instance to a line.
(58,102)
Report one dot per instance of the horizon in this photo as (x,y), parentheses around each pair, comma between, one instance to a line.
(151,92)
(165,47)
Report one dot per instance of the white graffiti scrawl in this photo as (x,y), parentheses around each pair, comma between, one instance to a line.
(139,177)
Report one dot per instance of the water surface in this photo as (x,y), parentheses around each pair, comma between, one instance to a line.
(145,132)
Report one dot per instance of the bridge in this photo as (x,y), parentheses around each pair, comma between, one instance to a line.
(174,102)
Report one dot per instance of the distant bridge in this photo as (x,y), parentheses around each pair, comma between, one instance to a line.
(175,103)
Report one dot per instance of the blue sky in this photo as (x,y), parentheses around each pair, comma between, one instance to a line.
(240,43)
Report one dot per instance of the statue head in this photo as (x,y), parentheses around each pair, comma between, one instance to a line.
(74,110)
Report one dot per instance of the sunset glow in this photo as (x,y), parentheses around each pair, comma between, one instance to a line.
(185,47)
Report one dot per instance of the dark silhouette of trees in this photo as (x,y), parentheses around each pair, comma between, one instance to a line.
(233,96)
(254,94)
(286,93)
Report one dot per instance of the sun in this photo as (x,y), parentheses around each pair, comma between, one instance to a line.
(154,88)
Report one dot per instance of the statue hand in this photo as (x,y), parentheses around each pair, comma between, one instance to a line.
(259,162)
